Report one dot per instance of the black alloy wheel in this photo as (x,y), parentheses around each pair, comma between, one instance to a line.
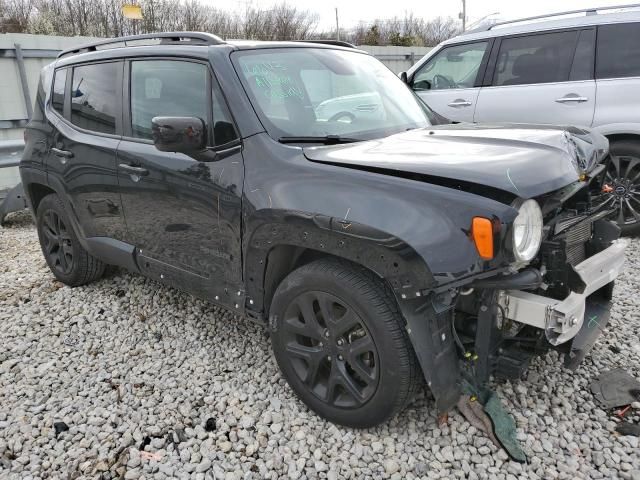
(621,186)
(342,344)
(57,242)
(330,349)
(69,262)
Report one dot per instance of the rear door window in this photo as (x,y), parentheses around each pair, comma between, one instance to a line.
(618,51)
(57,95)
(542,58)
(582,68)
(94,102)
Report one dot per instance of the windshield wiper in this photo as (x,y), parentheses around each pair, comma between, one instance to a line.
(325,140)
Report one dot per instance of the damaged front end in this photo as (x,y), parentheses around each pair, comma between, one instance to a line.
(560,300)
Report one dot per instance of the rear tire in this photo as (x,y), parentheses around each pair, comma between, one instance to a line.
(68,261)
(341,343)
(623,176)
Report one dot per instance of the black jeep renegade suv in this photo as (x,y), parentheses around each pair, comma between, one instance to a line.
(305,186)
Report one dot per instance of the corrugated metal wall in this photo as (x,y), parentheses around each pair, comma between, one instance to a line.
(37,51)
(398,59)
(22,57)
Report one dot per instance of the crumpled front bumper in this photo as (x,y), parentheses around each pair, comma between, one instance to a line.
(563,320)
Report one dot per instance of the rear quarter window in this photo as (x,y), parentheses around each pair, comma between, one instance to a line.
(57,94)
(618,51)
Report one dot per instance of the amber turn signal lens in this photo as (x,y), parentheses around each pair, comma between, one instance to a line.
(482,233)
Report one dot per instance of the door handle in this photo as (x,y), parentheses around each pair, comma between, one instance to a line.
(460,103)
(61,153)
(575,99)
(139,171)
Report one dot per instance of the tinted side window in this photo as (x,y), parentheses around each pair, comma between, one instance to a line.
(582,68)
(618,51)
(57,96)
(166,88)
(535,59)
(453,67)
(93,97)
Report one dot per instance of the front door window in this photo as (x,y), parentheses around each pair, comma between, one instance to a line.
(452,67)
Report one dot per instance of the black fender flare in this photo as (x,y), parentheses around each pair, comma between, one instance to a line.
(385,254)
(31,177)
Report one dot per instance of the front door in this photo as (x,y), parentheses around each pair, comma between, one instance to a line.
(82,157)
(183,213)
(449,80)
(542,78)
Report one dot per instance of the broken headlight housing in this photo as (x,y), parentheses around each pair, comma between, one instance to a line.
(526,230)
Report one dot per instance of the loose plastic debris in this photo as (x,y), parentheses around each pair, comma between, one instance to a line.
(60,427)
(614,388)
(483,409)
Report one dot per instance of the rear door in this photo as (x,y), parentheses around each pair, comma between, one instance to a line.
(182,212)
(449,81)
(540,78)
(82,156)
(618,75)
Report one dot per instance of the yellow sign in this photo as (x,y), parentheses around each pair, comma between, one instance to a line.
(133,12)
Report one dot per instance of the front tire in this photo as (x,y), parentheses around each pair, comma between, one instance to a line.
(341,343)
(68,261)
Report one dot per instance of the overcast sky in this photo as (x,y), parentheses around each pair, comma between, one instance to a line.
(351,12)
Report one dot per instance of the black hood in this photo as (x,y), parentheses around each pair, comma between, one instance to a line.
(524,160)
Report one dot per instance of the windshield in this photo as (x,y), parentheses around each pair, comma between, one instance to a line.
(315,92)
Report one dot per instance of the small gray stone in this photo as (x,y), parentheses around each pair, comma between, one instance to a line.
(203,466)
(391,466)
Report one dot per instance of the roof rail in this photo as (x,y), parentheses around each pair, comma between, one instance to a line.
(193,38)
(336,43)
(588,11)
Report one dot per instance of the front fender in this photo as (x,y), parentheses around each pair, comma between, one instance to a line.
(431,220)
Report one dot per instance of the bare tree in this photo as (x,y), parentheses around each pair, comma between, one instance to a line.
(103,18)
(15,15)
(408,30)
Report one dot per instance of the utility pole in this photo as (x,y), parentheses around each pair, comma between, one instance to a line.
(337,26)
(463,15)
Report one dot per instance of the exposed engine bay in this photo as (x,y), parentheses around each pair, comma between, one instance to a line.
(560,300)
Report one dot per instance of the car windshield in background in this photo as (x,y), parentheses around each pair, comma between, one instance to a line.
(319,92)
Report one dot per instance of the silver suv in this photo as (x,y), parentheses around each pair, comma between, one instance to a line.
(581,69)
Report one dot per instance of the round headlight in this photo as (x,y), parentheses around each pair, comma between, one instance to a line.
(527,231)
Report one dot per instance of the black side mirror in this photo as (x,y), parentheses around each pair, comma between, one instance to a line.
(422,85)
(403,77)
(179,134)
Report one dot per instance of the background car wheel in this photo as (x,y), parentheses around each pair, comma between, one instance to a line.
(341,343)
(69,262)
(623,185)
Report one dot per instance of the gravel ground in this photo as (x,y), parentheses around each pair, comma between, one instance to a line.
(125,359)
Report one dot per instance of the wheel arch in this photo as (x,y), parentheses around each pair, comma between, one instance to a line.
(617,137)
(278,246)
(36,192)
